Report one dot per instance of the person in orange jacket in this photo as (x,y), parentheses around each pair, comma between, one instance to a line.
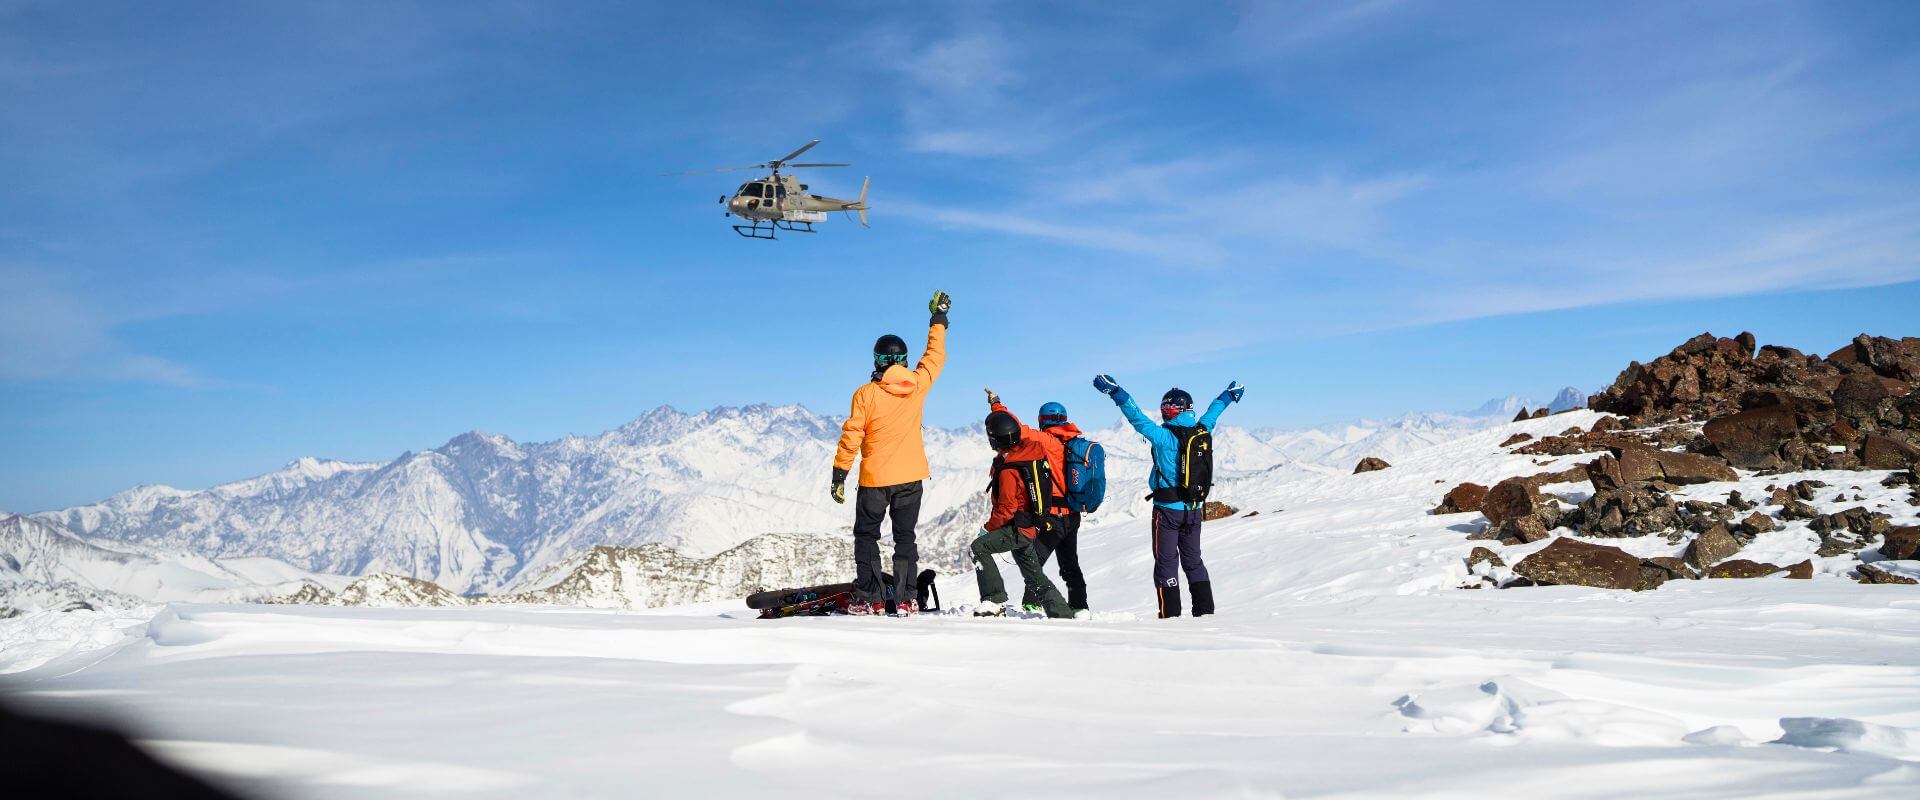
(1050,537)
(1026,499)
(883,430)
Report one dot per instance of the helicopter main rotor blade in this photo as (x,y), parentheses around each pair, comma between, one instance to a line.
(796,154)
(716,169)
(816,165)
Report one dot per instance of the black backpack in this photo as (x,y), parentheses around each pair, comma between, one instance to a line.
(1193,466)
(1036,483)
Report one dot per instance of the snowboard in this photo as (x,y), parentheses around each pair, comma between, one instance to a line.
(816,607)
(779,598)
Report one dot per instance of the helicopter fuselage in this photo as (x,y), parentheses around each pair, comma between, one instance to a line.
(782,197)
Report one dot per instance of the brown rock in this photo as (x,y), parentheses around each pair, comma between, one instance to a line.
(1868,573)
(1801,571)
(1712,547)
(1481,555)
(1541,413)
(1673,568)
(1522,416)
(1901,544)
(1608,424)
(1795,509)
(1215,509)
(1370,464)
(1521,530)
(1516,439)
(1510,498)
(1752,439)
(1462,499)
(1634,509)
(1571,562)
(1637,463)
(1756,523)
(1878,451)
(1742,568)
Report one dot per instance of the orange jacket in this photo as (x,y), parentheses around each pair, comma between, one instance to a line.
(883,427)
(1055,449)
(1009,490)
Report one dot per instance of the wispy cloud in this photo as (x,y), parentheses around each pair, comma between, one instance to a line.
(48,331)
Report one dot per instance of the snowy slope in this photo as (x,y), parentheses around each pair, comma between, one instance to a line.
(1344,663)
(40,561)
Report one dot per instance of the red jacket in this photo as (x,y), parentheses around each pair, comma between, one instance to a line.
(1009,492)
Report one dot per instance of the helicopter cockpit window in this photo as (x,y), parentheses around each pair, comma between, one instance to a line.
(780,190)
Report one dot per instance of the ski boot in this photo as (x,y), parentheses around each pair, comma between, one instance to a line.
(861,608)
(988,608)
(903,609)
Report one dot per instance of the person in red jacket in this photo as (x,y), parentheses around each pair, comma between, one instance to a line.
(1026,494)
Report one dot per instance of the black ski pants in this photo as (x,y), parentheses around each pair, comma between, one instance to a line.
(902,502)
(1066,547)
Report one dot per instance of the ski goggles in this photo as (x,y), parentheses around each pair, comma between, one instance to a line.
(889,359)
(1053,419)
(1171,410)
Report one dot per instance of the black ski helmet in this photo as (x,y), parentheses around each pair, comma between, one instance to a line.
(1175,401)
(1003,431)
(889,350)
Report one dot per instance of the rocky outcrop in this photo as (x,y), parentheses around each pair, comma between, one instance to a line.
(1632,463)
(1777,408)
(386,590)
(1517,439)
(1571,562)
(1370,464)
(1215,509)
(1629,509)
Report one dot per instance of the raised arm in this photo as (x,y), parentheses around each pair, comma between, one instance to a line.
(1226,398)
(934,358)
(1140,421)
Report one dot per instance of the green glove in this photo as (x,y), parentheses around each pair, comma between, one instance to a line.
(839,485)
(938,307)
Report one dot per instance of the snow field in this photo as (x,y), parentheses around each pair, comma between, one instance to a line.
(1344,664)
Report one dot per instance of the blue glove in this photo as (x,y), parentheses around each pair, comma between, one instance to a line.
(1233,392)
(1105,384)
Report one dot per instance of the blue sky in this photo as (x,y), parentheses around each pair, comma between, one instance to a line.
(235,234)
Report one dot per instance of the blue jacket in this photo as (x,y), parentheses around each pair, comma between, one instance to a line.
(1165,445)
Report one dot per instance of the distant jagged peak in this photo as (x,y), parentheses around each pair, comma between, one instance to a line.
(1501,406)
(1569,398)
(479,443)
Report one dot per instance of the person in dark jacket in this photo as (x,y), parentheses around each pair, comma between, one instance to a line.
(1176,523)
(1080,453)
(1024,500)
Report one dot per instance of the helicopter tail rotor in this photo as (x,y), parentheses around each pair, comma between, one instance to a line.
(861,204)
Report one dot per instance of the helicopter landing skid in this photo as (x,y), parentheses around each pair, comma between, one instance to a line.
(764,229)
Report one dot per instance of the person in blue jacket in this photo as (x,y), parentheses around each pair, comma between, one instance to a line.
(1176,522)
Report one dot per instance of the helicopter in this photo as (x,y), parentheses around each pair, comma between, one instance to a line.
(780,202)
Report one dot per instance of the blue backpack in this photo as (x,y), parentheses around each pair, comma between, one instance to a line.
(1086,473)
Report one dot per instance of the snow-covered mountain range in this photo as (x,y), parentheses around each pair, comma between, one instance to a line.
(485,514)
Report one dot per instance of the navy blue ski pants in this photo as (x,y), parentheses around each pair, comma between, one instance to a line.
(1176,547)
